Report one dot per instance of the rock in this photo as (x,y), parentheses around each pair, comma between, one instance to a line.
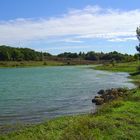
(120,94)
(109,95)
(122,89)
(97,97)
(114,92)
(94,100)
(101,92)
(99,101)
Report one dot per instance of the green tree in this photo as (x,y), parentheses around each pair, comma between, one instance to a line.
(16,55)
(138,36)
(4,55)
(138,47)
(91,56)
(113,62)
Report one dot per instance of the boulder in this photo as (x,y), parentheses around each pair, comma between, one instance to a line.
(97,96)
(107,98)
(109,95)
(122,90)
(98,101)
(101,92)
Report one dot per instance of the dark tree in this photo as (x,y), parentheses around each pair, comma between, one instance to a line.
(138,47)
(8,53)
(138,36)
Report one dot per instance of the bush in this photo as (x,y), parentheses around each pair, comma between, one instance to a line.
(138,68)
(45,63)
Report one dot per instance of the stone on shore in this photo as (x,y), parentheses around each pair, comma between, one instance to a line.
(109,95)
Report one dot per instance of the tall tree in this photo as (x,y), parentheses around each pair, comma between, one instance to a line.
(138,47)
(138,36)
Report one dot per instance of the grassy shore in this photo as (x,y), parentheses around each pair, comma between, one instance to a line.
(130,67)
(116,120)
(29,63)
(11,64)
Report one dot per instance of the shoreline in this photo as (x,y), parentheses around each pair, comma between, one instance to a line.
(20,64)
(124,104)
(133,74)
(36,123)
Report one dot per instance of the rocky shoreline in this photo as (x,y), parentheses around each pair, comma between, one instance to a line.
(105,96)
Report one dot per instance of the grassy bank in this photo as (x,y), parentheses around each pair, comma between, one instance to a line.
(11,64)
(29,63)
(130,67)
(117,120)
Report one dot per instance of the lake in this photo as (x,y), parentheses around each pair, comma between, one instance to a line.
(31,95)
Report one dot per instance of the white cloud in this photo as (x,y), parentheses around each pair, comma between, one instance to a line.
(90,22)
(122,39)
(64,48)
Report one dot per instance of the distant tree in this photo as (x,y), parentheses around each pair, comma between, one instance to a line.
(91,56)
(8,53)
(81,55)
(113,62)
(16,55)
(68,55)
(4,55)
(136,57)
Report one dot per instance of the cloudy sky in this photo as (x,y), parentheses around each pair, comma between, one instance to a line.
(70,25)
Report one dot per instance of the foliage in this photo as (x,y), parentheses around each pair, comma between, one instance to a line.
(68,55)
(93,56)
(138,68)
(138,36)
(138,47)
(8,53)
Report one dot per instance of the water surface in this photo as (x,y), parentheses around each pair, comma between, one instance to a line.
(29,95)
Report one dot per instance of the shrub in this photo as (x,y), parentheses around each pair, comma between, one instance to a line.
(138,68)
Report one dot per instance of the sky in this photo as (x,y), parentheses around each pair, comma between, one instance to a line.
(58,26)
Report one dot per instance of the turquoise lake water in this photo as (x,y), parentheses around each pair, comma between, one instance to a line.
(30,95)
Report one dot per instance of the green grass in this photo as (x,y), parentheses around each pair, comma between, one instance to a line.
(130,67)
(30,63)
(117,120)
(11,64)
(120,67)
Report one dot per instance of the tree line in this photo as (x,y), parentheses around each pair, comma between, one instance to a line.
(8,53)
(93,56)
